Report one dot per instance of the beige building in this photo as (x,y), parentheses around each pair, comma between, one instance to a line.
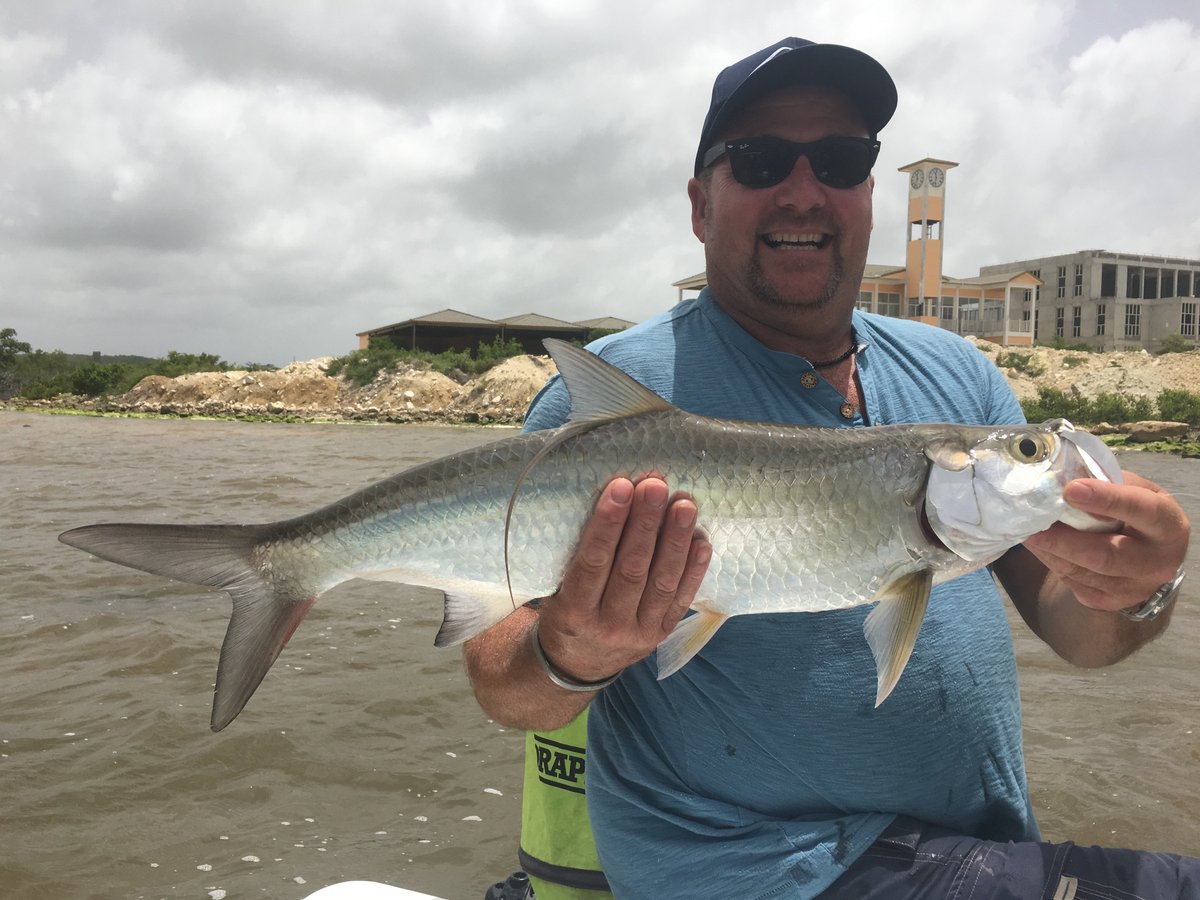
(1105,300)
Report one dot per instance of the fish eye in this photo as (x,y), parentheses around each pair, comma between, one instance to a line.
(1030,448)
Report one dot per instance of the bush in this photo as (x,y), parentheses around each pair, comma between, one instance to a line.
(1175,343)
(1178,405)
(1051,403)
(1021,362)
(362,366)
(1117,408)
(93,379)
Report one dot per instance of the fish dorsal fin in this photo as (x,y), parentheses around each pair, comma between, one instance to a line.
(598,389)
(600,392)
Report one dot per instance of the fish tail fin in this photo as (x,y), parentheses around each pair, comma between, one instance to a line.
(892,626)
(686,640)
(468,614)
(265,612)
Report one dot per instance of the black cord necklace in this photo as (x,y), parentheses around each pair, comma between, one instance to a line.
(841,359)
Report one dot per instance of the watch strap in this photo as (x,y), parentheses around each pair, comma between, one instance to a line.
(1152,607)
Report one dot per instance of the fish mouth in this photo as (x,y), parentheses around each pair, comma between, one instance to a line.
(796,240)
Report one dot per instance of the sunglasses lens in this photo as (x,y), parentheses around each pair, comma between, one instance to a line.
(761,164)
(836,162)
(841,163)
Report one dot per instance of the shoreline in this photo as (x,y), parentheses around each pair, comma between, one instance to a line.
(302,393)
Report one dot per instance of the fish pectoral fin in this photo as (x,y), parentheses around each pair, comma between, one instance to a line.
(686,639)
(891,628)
(950,453)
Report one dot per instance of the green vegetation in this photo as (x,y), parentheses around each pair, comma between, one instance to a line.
(1172,404)
(38,374)
(1175,343)
(362,366)
(1021,362)
(1177,405)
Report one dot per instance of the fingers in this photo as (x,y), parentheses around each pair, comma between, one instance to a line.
(587,573)
(1143,506)
(1114,571)
(636,570)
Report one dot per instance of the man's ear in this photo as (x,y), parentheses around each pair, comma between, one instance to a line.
(699,197)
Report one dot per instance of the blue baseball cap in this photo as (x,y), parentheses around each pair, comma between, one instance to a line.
(795,61)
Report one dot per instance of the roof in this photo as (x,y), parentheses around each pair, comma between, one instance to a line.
(443,317)
(874,271)
(607,323)
(536,320)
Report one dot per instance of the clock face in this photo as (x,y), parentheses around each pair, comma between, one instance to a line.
(936,177)
(917,179)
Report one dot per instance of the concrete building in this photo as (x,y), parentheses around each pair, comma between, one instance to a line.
(1111,301)
(1105,300)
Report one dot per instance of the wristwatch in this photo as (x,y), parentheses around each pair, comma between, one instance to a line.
(1150,609)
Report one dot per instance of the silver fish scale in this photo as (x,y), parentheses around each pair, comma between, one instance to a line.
(801,519)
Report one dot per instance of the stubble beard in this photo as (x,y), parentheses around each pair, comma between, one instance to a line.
(769,295)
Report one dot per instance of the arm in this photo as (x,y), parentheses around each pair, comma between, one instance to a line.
(635,572)
(1069,585)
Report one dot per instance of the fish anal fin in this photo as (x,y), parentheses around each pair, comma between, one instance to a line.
(686,640)
(891,628)
(468,612)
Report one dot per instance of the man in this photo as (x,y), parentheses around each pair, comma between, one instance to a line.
(762,769)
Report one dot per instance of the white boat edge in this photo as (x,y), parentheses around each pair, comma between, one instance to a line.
(367,890)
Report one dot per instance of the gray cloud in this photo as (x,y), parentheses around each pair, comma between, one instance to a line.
(262,180)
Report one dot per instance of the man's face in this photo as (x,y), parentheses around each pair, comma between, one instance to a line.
(798,245)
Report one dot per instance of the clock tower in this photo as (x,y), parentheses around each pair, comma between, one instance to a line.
(923,257)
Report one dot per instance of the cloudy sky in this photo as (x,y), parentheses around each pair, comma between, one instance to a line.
(262,180)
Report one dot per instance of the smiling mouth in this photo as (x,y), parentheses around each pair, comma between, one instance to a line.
(790,241)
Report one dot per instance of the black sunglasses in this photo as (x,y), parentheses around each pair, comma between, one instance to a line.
(762,162)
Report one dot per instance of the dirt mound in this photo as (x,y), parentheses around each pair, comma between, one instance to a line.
(501,395)
(1133,373)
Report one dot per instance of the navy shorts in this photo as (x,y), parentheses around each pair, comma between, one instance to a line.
(912,860)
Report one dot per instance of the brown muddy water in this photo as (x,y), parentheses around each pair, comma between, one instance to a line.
(363,755)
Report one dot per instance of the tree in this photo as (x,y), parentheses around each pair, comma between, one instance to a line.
(10,347)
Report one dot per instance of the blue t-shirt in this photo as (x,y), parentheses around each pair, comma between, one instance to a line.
(762,768)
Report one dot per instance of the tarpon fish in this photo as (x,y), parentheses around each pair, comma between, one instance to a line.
(783,506)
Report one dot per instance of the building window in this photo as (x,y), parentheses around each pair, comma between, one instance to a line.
(1168,283)
(1059,320)
(916,307)
(1150,285)
(947,309)
(864,301)
(968,312)
(1187,320)
(1101,316)
(1077,291)
(1133,320)
(1062,281)
(1184,284)
(889,303)
(1077,321)
(1133,282)
(1108,280)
